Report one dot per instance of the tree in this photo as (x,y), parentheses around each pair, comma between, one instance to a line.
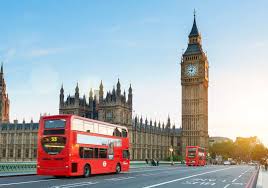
(243,149)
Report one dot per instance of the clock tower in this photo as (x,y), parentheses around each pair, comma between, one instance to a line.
(194,82)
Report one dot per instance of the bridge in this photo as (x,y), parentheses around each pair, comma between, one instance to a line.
(140,175)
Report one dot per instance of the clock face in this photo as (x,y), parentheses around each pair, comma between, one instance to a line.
(191,70)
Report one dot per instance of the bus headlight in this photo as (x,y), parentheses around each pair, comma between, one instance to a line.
(66,166)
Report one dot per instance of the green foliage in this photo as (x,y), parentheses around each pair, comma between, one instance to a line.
(243,149)
(175,158)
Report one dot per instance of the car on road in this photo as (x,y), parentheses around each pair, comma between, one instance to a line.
(226,163)
(233,162)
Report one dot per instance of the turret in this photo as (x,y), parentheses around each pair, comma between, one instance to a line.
(113,95)
(101,93)
(129,100)
(76,100)
(84,100)
(61,96)
(90,101)
(168,122)
(77,91)
(124,96)
(118,88)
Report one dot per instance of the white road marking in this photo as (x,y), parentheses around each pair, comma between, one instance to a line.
(119,179)
(226,186)
(259,181)
(187,177)
(25,182)
(240,176)
(162,172)
(237,183)
(148,170)
(234,180)
(74,185)
(223,181)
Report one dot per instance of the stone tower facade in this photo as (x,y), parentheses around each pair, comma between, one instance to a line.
(78,105)
(194,81)
(4,101)
(115,108)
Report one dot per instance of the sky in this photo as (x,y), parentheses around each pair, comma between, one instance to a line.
(44,44)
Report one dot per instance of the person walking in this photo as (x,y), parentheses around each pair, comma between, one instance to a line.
(266,164)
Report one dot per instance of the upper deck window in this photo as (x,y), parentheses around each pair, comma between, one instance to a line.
(98,128)
(55,124)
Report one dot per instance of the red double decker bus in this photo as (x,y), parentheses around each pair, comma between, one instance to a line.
(69,145)
(195,156)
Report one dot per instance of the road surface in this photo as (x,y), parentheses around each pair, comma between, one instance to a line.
(149,177)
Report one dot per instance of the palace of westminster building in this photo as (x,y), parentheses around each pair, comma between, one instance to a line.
(148,139)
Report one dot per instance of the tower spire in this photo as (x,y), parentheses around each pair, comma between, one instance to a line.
(194,32)
(77,92)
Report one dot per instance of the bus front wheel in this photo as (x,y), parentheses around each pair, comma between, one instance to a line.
(87,171)
(118,169)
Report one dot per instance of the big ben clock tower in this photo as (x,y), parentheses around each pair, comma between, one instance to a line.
(194,81)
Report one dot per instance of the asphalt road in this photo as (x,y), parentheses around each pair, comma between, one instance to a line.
(163,176)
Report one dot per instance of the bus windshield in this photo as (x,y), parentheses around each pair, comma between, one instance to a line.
(55,124)
(191,152)
(53,145)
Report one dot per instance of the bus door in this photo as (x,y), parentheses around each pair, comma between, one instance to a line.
(110,157)
(103,164)
(125,157)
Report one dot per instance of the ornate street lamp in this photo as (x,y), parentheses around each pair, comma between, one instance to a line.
(171,155)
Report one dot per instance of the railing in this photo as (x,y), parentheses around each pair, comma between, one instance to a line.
(28,168)
(17,168)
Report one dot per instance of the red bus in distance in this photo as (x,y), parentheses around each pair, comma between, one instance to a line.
(70,145)
(195,156)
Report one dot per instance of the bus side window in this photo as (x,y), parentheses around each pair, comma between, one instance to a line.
(110,131)
(81,152)
(78,125)
(96,152)
(102,130)
(96,128)
(88,126)
(125,154)
(103,153)
(88,152)
(124,133)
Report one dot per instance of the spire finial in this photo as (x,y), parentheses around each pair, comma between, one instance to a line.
(194,13)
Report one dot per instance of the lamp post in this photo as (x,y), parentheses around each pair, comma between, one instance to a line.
(171,155)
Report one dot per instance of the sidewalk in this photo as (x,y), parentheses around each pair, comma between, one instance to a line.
(262,179)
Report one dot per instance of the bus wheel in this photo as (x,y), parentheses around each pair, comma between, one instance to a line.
(87,171)
(118,169)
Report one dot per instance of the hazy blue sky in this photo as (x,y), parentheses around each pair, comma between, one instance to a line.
(46,43)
